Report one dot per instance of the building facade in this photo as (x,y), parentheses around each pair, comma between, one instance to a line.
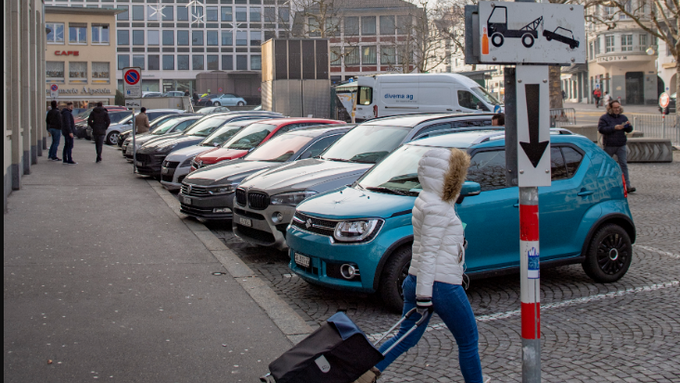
(24,99)
(80,54)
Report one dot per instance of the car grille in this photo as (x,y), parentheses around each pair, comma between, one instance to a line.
(195,191)
(258,201)
(170,164)
(241,197)
(314,225)
(166,178)
(145,158)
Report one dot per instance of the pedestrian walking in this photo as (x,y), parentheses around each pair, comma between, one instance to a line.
(99,121)
(142,121)
(435,277)
(68,128)
(498,119)
(53,121)
(195,98)
(597,94)
(607,99)
(564,95)
(613,126)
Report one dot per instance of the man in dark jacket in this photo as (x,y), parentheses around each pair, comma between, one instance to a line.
(53,121)
(68,127)
(99,121)
(613,126)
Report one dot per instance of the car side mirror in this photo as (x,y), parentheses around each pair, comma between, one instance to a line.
(129,122)
(469,189)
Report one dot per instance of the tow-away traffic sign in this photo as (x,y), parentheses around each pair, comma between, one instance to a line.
(533,126)
(54,91)
(132,82)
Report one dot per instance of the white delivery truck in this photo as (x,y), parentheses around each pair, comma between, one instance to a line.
(391,94)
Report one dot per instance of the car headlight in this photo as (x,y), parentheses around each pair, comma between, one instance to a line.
(222,189)
(292,199)
(165,148)
(355,231)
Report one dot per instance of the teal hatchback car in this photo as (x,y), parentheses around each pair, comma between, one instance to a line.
(359,237)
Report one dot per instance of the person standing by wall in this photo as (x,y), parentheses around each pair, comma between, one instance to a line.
(613,126)
(142,121)
(435,277)
(68,127)
(99,121)
(53,121)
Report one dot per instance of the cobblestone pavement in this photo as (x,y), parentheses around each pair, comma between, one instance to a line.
(626,331)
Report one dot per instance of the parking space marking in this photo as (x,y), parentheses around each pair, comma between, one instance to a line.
(549,306)
(676,256)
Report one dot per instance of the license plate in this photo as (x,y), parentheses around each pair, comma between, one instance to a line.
(302,260)
(187,200)
(245,221)
(140,163)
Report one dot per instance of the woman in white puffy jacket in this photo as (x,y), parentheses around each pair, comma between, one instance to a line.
(436,272)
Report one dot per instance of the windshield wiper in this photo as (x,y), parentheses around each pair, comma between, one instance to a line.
(386,190)
(337,159)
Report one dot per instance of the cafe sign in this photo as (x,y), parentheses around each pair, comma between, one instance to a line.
(85,90)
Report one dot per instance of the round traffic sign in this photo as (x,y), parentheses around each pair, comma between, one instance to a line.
(54,87)
(664,100)
(132,76)
(219,90)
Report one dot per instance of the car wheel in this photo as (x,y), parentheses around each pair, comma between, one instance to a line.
(609,254)
(497,39)
(217,103)
(393,275)
(240,103)
(528,40)
(112,138)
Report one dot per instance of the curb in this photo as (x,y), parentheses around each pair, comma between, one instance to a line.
(286,319)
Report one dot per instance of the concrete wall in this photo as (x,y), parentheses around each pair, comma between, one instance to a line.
(23,109)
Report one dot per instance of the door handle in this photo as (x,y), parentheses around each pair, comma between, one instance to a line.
(584,193)
(516,205)
(458,110)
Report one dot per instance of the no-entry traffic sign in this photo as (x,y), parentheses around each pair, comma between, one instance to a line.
(132,82)
(664,100)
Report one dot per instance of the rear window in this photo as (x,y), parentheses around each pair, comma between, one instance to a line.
(366,144)
(250,137)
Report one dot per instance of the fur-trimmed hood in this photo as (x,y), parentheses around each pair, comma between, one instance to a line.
(443,171)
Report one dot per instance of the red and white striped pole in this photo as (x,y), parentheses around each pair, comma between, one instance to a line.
(530,284)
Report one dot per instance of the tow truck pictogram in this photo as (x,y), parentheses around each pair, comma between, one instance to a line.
(497,28)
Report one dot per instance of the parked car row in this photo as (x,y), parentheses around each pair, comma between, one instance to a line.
(338,198)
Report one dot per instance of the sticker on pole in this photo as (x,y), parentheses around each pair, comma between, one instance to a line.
(534,264)
(533,33)
(533,126)
(132,82)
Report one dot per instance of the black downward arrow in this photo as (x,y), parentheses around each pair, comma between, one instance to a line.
(533,149)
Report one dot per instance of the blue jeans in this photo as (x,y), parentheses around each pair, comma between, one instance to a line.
(68,149)
(621,153)
(56,135)
(453,307)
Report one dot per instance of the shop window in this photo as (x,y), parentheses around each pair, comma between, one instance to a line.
(100,73)
(183,62)
(138,61)
(154,62)
(55,34)
(123,61)
(123,37)
(368,25)
(227,14)
(77,72)
(77,33)
(351,56)
(387,25)
(168,62)
(150,86)
(227,38)
(197,62)
(227,62)
(368,55)
(241,62)
(213,62)
(54,71)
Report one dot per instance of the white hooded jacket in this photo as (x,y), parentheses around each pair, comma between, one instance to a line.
(438,253)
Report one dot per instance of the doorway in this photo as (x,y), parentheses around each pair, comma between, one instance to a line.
(635,82)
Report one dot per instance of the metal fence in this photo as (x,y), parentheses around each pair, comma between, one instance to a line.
(563,116)
(657,126)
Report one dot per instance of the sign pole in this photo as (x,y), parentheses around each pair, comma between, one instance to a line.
(132,88)
(134,142)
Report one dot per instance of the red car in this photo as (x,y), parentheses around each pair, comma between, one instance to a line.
(253,136)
